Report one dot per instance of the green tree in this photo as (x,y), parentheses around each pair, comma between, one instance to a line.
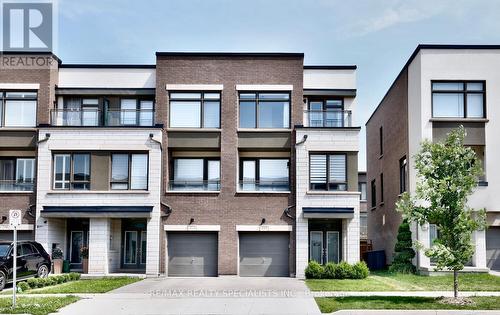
(404,252)
(447,174)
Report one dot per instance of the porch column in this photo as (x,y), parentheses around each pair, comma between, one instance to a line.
(153,246)
(302,246)
(350,228)
(424,238)
(99,238)
(479,258)
(51,232)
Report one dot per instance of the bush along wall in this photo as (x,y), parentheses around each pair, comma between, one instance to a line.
(404,252)
(35,283)
(341,270)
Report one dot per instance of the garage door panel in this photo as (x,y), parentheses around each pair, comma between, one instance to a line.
(264,254)
(192,254)
(493,248)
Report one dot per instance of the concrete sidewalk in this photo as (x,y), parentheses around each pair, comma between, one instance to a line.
(403,293)
(414,312)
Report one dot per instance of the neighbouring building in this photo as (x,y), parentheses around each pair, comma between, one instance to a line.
(364,242)
(440,88)
(192,166)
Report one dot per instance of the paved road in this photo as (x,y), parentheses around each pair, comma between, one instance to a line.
(222,295)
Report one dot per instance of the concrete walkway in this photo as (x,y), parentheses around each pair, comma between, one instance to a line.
(402,293)
(195,296)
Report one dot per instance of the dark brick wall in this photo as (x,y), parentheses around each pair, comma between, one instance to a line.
(392,115)
(228,208)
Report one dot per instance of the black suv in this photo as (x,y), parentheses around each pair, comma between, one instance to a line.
(32,261)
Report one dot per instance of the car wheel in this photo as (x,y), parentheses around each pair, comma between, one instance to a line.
(3,280)
(43,271)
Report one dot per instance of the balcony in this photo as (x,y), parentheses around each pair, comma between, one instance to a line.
(98,118)
(192,185)
(14,185)
(264,185)
(328,118)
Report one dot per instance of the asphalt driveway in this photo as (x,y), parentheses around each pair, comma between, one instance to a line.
(222,295)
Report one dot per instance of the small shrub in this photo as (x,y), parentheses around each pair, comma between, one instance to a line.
(42,282)
(23,286)
(314,270)
(74,276)
(360,270)
(33,283)
(51,281)
(67,277)
(403,251)
(329,272)
(343,270)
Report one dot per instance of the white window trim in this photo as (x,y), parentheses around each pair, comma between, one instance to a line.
(264,228)
(191,227)
(194,87)
(20,86)
(264,87)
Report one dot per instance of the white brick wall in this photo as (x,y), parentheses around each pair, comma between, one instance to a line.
(324,140)
(94,139)
(99,232)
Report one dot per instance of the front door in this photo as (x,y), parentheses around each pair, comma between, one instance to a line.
(134,246)
(324,247)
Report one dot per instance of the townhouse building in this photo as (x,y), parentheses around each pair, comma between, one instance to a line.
(440,88)
(203,164)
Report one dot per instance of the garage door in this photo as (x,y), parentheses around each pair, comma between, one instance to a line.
(493,247)
(192,254)
(264,254)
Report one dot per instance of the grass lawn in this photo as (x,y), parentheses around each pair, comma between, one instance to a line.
(385,281)
(328,305)
(35,305)
(100,285)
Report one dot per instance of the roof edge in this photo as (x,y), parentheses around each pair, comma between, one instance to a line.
(330,67)
(228,54)
(106,66)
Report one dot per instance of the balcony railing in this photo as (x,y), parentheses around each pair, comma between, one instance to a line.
(264,185)
(190,185)
(95,117)
(328,118)
(14,185)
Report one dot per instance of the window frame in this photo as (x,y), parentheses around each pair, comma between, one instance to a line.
(4,98)
(381,188)
(257,101)
(360,184)
(381,140)
(16,159)
(205,166)
(328,170)
(464,93)
(373,193)
(403,173)
(202,101)
(129,169)
(257,167)
(71,171)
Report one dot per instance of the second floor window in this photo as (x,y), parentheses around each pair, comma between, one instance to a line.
(195,174)
(327,113)
(72,171)
(402,174)
(129,171)
(328,172)
(18,109)
(195,110)
(17,174)
(264,174)
(264,110)
(460,99)
(373,193)
(362,190)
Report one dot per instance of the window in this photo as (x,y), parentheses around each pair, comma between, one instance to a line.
(17,174)
(18,109)
(72,171)
(264,110)
(479,150)
(381,188)
(362,190)
(326,113)
(381,140)
(129,171)
(402,174)
(134,112)
(195,174)
(363,225)
(373,193)
(458,99)
(328,172)
(195,110)
(264,174)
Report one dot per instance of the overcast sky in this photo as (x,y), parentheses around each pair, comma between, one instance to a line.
(376,35)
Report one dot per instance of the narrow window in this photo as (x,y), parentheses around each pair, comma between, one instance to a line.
(373,192)
(381,141)
(402,174)
(381,188)
(362,190)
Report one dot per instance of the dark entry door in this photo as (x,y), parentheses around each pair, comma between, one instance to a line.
(324,246)
(134,240)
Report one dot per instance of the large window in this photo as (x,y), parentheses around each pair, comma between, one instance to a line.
(264,110)
(18,109)
(264,174)
(362,190)
(201,174)
(403,169)
(129,171)
(135,112)
(328,172)
(195,110)
(17,174)
(458,99)
(72,171)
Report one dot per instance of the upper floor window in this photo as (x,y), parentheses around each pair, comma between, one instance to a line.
(264,174)
(72,171)
(264,110)
(17,174)
(381,188)
(373,193)
(195,110)
(328,172)
(135,112)
(328,113)
(129,171)
(362,190)
(381,140)
(403,169)
(18,109)
(458,99)
(201,174)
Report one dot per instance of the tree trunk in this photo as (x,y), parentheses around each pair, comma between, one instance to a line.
(455,283)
